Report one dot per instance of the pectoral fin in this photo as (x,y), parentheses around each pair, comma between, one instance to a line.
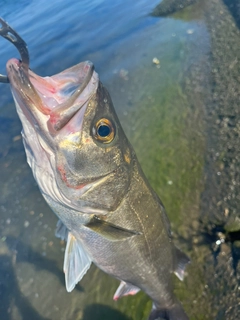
(181,260)
(125,289)
(76,262)
(61,231)
(110,231)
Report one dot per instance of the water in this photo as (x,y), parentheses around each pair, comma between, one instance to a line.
(163,111)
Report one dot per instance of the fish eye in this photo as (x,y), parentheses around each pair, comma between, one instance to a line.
(104,131)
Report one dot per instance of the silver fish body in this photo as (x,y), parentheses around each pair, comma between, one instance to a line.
(88,173)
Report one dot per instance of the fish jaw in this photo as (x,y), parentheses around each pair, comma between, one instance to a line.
(58,115)
(43,103)
(51,102)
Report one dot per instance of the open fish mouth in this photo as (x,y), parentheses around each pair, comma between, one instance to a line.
(52,112)
(54,99)
(58,97)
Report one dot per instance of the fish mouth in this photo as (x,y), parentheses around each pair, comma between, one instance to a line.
(55,99)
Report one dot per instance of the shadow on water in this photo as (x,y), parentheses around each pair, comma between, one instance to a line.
(10,293)
(24,253)
(218,236)
(100,312)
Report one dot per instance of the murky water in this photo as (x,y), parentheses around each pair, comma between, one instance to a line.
(168,111)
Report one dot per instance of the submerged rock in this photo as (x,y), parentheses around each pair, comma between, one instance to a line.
(167,7)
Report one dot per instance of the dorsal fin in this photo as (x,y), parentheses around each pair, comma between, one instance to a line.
(76,262)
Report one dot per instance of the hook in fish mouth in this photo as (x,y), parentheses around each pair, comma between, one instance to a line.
(58,97)
(11,35)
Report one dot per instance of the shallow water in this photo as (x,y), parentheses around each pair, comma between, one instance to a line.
(163,111)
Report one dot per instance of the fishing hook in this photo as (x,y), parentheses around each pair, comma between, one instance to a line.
(11,35)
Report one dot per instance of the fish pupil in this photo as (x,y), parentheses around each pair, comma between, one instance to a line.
(103,131)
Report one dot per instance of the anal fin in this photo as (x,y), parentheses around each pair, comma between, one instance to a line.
(181,260)
(125,289)
(76,262)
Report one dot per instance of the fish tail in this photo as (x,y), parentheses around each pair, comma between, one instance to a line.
(174,312)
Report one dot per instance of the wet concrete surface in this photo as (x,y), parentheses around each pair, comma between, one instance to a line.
(220,199)
(219,209)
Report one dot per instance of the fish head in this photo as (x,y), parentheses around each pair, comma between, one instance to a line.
(74,142)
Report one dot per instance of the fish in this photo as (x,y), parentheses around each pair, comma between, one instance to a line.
(88,173)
